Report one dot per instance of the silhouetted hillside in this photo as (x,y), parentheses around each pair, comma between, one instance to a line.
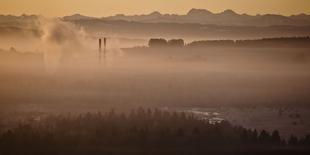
(30,26)
(77,17)
(122,28)
(227,18)
(22,26)
(197,23)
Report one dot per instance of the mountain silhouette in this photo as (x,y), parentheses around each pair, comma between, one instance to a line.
(77,17)
(196,24)
(226,18)
(199,13)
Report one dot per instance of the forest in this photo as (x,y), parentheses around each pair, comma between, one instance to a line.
(289,42)
(145,131)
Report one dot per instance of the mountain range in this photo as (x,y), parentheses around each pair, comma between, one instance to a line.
(197,24)
(202,16)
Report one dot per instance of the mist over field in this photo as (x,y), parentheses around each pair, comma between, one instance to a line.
(52,66)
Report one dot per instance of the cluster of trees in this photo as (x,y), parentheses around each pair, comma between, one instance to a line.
(136,132)
(296,42)
(164,43)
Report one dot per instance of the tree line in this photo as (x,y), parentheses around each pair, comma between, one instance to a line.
(141,130)
(294,42)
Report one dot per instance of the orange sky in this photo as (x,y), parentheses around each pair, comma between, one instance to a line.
(100,8)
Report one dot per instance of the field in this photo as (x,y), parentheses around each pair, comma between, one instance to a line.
(257,88)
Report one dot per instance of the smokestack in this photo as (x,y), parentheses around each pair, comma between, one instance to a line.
(100,49)
(105,47)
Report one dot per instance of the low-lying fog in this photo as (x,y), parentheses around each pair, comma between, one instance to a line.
(61,72)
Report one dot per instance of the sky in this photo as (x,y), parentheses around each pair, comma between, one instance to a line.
(99,8)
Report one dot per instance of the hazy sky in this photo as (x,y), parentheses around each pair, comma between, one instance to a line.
(111,7)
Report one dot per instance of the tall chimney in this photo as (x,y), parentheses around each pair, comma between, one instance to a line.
(100,41)
(105,47)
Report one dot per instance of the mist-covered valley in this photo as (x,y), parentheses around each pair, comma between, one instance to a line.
(52,66)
